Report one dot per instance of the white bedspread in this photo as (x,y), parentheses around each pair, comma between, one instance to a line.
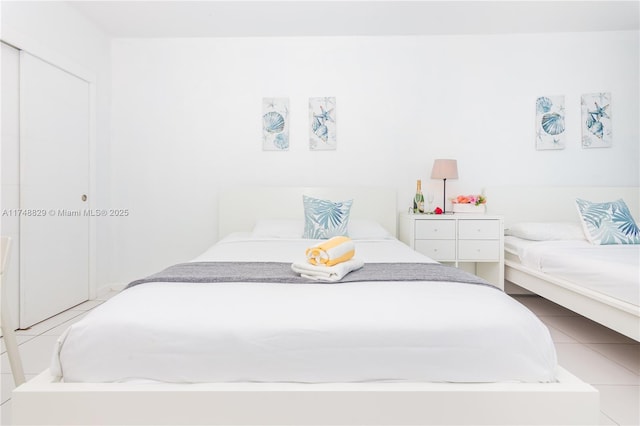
(348,332)
(613,270)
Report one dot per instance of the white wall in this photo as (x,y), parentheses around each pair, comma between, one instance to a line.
(57,33)
(186,122)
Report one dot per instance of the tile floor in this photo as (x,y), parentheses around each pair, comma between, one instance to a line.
(599,356)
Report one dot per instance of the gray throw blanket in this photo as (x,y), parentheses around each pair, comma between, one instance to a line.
(277,272)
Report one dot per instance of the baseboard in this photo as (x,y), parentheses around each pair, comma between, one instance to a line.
(511,288)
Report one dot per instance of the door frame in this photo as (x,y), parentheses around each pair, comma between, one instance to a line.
(48,54)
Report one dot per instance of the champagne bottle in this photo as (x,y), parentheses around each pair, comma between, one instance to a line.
(418,200)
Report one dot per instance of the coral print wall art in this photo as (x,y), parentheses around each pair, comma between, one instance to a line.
(596,120)
(550,124)
(322,124)
(275,124)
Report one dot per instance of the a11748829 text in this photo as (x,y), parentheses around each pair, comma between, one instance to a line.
(65,212)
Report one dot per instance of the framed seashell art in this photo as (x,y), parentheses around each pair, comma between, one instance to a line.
(596,120)
(322,124)
(275,124)
(550,123)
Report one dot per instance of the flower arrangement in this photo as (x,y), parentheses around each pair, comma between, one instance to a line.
(470,199)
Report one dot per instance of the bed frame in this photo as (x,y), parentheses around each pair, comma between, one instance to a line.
(46,400)
(540,204)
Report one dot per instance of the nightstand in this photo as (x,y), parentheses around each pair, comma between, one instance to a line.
(474,242)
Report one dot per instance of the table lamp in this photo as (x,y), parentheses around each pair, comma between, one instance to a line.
(444,169)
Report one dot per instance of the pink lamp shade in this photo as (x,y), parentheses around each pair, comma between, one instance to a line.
(444,169)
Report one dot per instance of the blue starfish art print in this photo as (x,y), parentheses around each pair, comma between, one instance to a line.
(322,124)
(596,120)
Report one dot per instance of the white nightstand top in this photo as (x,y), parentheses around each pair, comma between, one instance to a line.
(456,216)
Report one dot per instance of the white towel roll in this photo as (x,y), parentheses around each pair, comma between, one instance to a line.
(326,273)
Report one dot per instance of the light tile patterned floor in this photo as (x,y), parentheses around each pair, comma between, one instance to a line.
(607,360)
(599,356)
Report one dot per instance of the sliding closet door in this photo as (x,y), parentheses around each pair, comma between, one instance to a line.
(54,183)
(10,174)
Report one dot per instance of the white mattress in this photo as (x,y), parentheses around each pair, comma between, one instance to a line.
(613,270)
(347,332)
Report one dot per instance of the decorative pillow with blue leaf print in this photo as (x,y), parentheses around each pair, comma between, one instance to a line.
(608,223)
(325,219)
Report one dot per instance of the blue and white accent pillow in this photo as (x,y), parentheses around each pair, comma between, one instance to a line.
(608,223)
(325,219)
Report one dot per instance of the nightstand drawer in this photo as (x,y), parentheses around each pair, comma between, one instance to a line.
(479,229)
(472,250)
(437,249)
(435,229)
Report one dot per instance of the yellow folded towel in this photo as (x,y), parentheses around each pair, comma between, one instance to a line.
(331,252)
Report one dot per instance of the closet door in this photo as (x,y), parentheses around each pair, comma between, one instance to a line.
(10,174)
(54,183)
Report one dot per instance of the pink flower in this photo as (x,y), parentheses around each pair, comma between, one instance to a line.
(470,199)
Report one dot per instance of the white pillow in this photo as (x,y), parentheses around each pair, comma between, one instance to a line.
(364,229)
(547,231)
(278,228)
(359,229)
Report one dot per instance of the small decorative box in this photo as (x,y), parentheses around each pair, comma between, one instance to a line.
(469,208)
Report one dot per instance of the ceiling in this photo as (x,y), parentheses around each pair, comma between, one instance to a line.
(242,18)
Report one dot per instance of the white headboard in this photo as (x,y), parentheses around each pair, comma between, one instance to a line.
(552,204)
(240,207)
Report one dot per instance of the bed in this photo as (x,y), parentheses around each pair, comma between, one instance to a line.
(601,283)
(363,352)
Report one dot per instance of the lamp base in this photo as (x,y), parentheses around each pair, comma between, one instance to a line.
(444,196)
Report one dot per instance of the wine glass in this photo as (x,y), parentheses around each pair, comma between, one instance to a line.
(430,196)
